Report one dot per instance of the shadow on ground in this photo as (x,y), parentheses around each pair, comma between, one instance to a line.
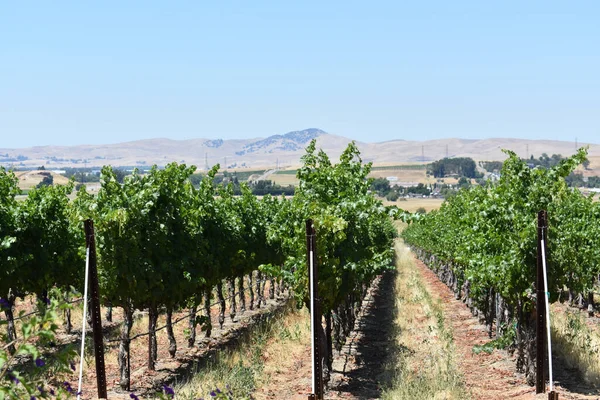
(360,370)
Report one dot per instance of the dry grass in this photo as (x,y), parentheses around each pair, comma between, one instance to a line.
(30,179)
(427,368)
(413,204)
(403,175)
(257,361)
(577,345)
(284,179)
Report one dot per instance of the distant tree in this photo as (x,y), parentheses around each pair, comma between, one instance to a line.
(593,182)
(120,174)
(464,182)
(421,210)
(586,164)
(420,189)
(47,181)
(545,161)
(195,179)
(462,166)
(41,168)
(392,196)
(491,166)
(381,186)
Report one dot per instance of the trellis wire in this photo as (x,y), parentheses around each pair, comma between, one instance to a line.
(180,318)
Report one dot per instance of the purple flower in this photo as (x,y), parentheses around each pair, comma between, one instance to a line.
(32,398)
(13,378)
(68,387)
(213,394)
(46,300)
(72,365)
(133,396)
(4,303)
(39,362)
(168,390)
(52,392)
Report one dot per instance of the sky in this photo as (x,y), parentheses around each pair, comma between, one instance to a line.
(112,71)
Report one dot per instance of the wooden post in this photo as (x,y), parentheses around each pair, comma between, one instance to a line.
(315,311)
(540,306)
(90,240)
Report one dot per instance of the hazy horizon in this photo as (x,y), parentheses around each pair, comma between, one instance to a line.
(282,133)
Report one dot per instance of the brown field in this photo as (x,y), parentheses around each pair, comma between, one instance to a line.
(404,177)
(284,179)
(411,205)
(408,175)
(30,179)
(593,169)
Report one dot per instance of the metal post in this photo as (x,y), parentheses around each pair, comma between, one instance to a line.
(96,316)
(315,311)
(540,317)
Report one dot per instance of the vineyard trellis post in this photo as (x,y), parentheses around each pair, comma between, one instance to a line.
(542,310)
(540,306)
(315,312)
(96,315)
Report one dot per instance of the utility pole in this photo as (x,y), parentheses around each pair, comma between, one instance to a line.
(206,161)
(446,151)
(527,151)
(576,144)
(423,153)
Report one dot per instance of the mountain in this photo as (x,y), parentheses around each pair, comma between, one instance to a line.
(283,150)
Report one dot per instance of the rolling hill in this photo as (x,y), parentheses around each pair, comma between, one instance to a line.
(283,150)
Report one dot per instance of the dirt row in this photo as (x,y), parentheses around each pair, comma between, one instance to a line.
(358,369)
(494,376)
(169,370)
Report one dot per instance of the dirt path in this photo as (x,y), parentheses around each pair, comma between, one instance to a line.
(489,376)
(358,369)
(420,344)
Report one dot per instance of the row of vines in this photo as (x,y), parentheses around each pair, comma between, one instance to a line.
(482,243)
(163,244)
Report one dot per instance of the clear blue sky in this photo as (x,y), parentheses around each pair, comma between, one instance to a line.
(77,72)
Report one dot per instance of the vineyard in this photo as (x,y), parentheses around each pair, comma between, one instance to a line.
(482,243)
(165,247)
(180,257)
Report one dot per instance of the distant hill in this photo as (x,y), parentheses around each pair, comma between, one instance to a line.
(283,150)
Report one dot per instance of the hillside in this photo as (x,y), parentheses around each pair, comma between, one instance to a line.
(282,150)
